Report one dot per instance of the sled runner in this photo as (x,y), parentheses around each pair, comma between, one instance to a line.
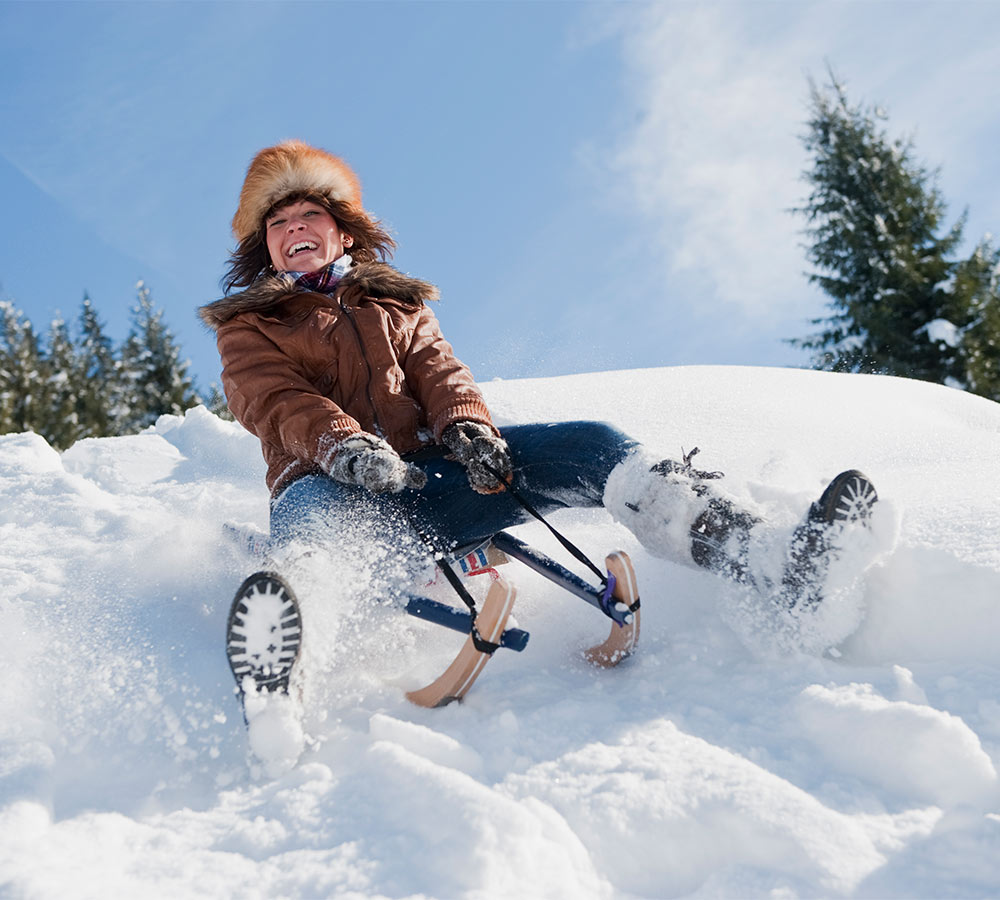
(617,597)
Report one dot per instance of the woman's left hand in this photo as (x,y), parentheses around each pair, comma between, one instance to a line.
(484,454)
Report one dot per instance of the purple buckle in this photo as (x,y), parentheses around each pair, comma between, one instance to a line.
(605,598)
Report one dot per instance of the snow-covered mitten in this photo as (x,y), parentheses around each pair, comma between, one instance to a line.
(370,462)
(483,453)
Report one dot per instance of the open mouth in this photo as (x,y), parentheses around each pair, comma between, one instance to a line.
(300,247)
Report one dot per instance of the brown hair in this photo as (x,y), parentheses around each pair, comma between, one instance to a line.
(250,258)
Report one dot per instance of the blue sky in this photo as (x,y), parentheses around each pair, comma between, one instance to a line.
(592,185)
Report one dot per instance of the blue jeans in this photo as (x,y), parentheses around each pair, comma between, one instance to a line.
(556,466)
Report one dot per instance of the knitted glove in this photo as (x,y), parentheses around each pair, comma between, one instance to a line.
(370,462)
(476,446)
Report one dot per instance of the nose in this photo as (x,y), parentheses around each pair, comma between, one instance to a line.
(295,223)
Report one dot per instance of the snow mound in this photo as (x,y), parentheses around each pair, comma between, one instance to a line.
(742,752)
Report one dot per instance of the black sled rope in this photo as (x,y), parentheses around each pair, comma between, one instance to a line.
(568,545)
(478,641)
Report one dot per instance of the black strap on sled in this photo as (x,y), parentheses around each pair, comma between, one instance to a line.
(478,641)
(565,541)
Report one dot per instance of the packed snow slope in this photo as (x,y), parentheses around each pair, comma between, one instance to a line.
(720,761)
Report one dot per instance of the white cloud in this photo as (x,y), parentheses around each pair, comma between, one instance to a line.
(714,160)
(719,94)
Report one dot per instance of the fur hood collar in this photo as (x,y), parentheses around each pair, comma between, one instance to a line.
(373,279)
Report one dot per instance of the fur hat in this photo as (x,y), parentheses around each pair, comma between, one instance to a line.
(285,168)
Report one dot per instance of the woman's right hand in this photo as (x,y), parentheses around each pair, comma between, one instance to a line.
(371,463)
(484,454)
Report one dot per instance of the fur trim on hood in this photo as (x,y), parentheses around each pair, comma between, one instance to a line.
(285,168)
(374,279)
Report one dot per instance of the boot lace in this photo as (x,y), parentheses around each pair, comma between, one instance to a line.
(672,467)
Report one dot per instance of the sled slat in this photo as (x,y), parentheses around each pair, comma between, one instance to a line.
(465,669)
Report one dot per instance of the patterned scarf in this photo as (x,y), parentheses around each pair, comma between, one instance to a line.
(322,281)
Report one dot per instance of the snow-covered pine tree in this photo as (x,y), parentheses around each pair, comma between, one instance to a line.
(217,404)
(22,379)
(61,425)
(155,380)
(100,395)
(977,292)
(875,223)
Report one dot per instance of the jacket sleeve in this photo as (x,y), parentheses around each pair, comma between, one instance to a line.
(271,397)
(442,384)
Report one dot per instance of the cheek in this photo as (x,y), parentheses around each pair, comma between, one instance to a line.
(273,250)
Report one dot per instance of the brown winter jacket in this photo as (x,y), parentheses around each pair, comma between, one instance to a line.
(303,371)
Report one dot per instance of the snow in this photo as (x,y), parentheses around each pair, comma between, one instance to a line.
(943,332)
(733,756)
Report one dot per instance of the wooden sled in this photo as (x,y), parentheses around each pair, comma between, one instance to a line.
(464,670)
(617,598)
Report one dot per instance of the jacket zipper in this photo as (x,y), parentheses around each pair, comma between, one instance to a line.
(364,356)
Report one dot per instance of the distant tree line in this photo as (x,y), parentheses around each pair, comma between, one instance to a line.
(74,383)
(903,301)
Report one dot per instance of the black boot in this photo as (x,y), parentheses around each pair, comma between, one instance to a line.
(720,540)
(720,536)
(264,632)
(679,513)
(848,499)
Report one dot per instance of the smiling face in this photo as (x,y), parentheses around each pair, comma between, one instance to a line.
(303,237)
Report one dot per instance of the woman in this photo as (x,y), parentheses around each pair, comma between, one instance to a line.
(366,418)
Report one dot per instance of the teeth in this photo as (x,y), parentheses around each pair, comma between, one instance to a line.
(302,245)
